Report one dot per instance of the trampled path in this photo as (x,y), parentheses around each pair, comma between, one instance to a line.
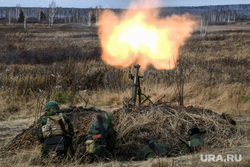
(12,127)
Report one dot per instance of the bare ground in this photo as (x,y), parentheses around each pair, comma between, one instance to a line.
(12,127)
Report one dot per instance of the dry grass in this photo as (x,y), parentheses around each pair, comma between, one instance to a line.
(28,158)
(39,62)
(135,127)
(218,97)
(237,27)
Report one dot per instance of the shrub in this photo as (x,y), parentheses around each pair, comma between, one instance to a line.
(245,98)
(62,97)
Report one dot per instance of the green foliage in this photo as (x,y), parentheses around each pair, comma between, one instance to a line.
(21,17)
(42,17)
(245,98)
(63,98)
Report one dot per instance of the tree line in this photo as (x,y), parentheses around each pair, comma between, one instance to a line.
(54,14)
(50,15)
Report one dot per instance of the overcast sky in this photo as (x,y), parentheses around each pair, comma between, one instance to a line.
(114,3)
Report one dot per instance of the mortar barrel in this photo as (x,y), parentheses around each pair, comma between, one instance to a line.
(135,84)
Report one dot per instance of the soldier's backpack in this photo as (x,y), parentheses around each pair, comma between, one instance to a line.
(54,143)
(53,134)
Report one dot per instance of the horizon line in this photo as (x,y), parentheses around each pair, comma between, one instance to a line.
(129,8)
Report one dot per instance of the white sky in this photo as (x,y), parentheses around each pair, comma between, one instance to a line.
(114,3)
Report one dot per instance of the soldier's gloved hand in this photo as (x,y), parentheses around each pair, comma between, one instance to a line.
(67,136)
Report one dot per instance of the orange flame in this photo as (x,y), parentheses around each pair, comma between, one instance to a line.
(138,36)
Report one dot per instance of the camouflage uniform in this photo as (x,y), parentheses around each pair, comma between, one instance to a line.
(49,127)
(195,142)
(150,152)
(94,142)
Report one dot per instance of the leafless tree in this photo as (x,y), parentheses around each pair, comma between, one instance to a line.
(40,105)
(10,14)
(97,11)
(223,16)
(179,77)
(203,26)
(52,12)
(17,11)
(39,14)
(229,15)
(213,15)
(32,12)
(234,15)
(69,15)
(77,16)
(89,17)
(25,19)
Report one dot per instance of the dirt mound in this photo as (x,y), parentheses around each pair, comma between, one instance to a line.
(136,125)
(80,117)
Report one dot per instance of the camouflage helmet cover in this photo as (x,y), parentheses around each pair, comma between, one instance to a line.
(52,104)
(193,130)
(109,117)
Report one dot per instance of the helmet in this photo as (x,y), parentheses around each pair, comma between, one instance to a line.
(193,130)
(108,116)
(52,104)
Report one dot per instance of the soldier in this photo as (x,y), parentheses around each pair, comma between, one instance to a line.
(195,143)
(55,131)
(102,136)
(154,149)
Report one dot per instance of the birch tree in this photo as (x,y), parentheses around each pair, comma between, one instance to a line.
(229,14)
(52,12)
(89,17)
(96,14)
(213,16)
(69,15)
(17,11)
(203,27)
(25,19)
(39,14)
(77,17)
(10,15)
(234,15)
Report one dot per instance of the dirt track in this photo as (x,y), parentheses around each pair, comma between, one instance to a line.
(9,129)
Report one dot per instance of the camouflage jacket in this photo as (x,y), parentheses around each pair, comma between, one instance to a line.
(148,152)
(49,114)
(110,136)
(195,143)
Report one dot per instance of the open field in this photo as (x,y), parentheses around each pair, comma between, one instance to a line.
(63,63)
(234,27)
